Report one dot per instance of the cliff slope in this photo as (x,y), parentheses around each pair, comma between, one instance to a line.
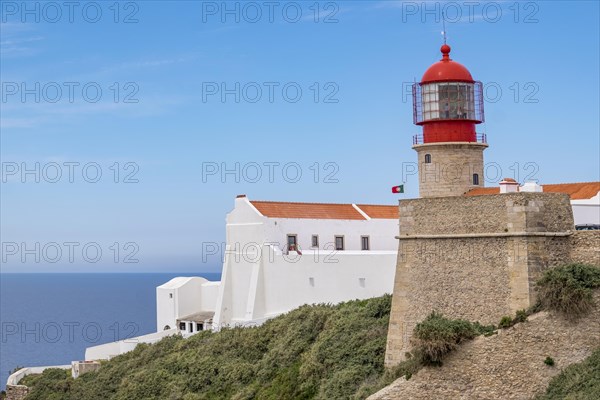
(509,365)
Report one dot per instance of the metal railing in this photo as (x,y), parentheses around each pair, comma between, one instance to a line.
(479,138)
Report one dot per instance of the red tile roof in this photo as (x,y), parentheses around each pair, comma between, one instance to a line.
(278,209)
(577,191)
(379,211)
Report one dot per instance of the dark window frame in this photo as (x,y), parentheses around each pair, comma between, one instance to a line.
(362,243)
(314,241)
(335,243)
(290,246)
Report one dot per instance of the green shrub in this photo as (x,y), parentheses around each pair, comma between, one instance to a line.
(52,384)
(521,316)
(568,289)
(485,330)
(576,382)
(436,336)
(549,361)
(505,322)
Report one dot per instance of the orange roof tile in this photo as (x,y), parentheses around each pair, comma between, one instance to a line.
(577,191)
(483,191)
(278,209)
(380,211)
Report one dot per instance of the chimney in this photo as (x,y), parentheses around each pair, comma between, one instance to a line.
(509,185)
(531,187)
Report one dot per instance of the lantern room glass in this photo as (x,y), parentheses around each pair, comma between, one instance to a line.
(448,100)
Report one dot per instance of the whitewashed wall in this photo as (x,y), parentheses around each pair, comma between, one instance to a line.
(259,281)
(277,283)
(246,225)
(586,211)
(189,296)
(112,349)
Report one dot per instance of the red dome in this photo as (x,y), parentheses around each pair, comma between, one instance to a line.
(447,70)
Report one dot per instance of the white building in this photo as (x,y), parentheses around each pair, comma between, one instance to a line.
(280,256)
(178,303)
(586,211)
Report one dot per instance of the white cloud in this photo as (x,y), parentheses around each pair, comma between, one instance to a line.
(17,40)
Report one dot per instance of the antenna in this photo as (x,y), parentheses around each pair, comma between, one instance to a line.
(444,26)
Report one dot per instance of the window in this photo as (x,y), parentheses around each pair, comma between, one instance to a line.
(475,179)
(182,326)
(166,328)
(364,243)
(199,327)
(191,327)
(292,242)
(314,241)
(339,243)
(427,158)
(170,295)
(448,101)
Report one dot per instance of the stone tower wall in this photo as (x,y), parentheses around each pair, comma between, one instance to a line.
(477,257)
(451,170)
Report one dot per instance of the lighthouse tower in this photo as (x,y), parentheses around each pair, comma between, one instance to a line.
(448,104)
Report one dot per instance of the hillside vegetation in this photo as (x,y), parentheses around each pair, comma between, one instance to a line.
(314,352)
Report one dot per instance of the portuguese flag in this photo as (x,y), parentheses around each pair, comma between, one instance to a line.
(398,189)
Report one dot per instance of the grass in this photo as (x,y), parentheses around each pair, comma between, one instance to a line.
(437,336)
(576,382)
(568,289)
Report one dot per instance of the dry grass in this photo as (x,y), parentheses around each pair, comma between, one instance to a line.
(568,289)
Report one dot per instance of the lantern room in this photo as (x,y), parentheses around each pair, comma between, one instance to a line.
(448,103)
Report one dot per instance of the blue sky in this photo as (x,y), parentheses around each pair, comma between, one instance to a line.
(160,132)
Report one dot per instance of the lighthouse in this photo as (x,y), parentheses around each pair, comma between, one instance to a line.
(448,104)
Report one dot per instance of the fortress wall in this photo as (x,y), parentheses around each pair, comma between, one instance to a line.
(475,258)
(585,247)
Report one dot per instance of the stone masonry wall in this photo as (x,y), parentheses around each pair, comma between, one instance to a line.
(586,247)
(450,172)
(509,365)
(484,214)
(473,257)
(17,392)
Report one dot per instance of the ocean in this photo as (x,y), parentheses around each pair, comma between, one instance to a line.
(50,319)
